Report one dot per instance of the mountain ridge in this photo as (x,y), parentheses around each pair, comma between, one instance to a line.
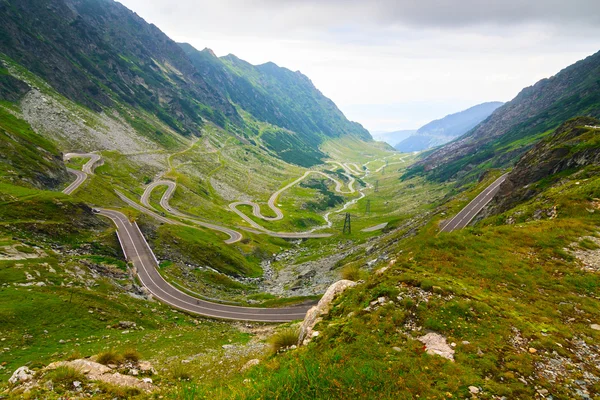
(514,127)
(448,128)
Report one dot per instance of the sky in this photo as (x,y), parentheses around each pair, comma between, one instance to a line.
(393,64)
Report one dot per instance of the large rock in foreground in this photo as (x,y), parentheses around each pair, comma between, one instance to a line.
(97,372)
(313,316)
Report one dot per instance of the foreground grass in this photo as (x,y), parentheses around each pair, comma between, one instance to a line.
(513,301)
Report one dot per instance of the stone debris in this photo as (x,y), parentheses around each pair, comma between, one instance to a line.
(127,324)
(12,253)
(250,364)
(435,344)
(590,258)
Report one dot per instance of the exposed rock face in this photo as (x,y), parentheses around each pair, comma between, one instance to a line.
(573,145)
(22,374)
(313,316)
(436,345)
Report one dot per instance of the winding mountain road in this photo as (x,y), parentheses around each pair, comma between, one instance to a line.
(87,169)
(234,236)
(467,214)
(137,251)
(271,203)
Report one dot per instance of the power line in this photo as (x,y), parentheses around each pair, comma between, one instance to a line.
(347,226)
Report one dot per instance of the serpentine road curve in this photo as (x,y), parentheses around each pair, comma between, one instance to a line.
(271,203)
(234,236)
(87,169)
(137,250)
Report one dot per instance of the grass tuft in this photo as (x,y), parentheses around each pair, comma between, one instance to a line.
(110,357)
(284,339)
(65,376)
(119,392)
(131,355)
(181,372)
(352,272)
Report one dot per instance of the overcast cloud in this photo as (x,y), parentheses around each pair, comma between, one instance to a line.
(393,64)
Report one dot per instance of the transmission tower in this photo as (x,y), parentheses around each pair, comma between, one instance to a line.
(347,227)
(376,186)
(383,171)
(368,208)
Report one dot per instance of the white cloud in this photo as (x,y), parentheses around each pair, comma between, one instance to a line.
(423,58)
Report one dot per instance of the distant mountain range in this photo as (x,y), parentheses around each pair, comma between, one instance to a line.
(394,137)
(446,129)
(515,127)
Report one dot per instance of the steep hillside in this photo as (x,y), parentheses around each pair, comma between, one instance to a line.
(513,128)
(573,146)
(448,128)
(28,159)
(280,97)
(507,308)
(97,53)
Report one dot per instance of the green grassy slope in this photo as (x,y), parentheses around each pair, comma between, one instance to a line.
(27,158)
(513,301)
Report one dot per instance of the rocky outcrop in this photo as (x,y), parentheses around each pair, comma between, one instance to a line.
(572,146)
(435,344)
(313,316)
(97,372)
(21,375)
(25,379)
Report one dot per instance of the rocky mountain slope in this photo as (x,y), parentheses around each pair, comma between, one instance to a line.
(28,159)
(573,146)
(513,128)
(99,54)
(444,130)
(278,96)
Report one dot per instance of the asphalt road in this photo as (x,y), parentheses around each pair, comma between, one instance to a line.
(279,214)
(234,236)
(87,169)
(467,214)
(80,177)
(137,251)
